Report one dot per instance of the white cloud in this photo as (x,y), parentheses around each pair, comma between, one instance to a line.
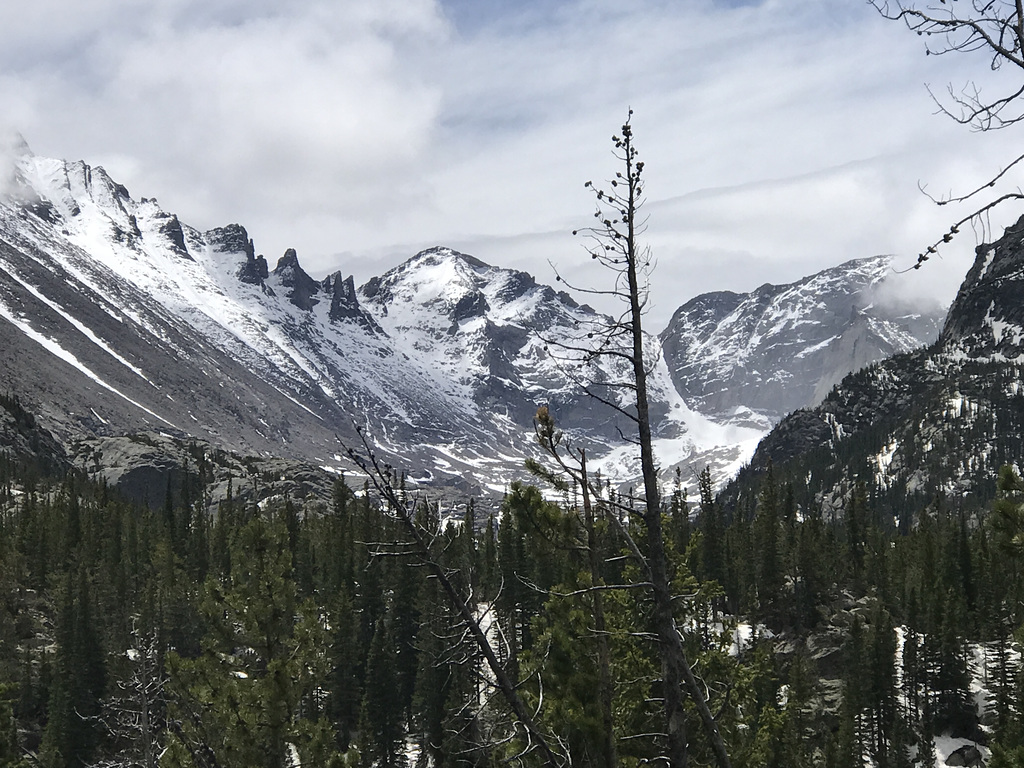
(278,112)
(781,137)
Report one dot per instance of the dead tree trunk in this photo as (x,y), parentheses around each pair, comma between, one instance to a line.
(616,246)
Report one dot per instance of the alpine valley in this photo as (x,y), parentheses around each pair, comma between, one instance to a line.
(118,320)
(851,596)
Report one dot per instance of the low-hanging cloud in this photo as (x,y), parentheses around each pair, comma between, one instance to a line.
(780,137)
(270,110)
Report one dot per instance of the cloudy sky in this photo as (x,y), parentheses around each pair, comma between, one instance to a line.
(780,137)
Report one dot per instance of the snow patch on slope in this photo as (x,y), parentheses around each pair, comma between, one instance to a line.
(55,349)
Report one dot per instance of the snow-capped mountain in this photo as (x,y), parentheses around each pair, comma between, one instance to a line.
(116,317)
(783,347)
(986,319)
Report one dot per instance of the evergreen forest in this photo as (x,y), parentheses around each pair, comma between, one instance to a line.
(283,634)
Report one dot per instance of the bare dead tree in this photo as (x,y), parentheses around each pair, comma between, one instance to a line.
(135,713)
(615,242)
(993,28)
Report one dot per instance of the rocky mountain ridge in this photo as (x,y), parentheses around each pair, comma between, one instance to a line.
(783,347)
(116,317)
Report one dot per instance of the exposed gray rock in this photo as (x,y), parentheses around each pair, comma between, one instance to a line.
(22,437)
(987,316)
(233,239)
(471,305)
(254,271)
(230,239)
(146,467)
(345,302)
(164,375)
(302,289)
(171,229)
(783,347)
(968,755)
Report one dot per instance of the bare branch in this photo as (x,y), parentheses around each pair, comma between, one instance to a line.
(995,28)
(971,218)
(381,480)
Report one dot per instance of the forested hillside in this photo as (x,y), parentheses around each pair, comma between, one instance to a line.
(281,634)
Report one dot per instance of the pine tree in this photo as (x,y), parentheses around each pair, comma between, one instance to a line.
(570,674)
(11,754)
(516,603)
(856,524)
(766,534)
(344,683)
(881,687)
(72,729)
(381,723)
(953,710)
(404,625)
(489,576)
(679,515)
(244,700)
(856,692)
(713,557)
(434,641)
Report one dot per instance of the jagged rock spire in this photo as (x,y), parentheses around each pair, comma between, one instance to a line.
(345,302)
(303,288)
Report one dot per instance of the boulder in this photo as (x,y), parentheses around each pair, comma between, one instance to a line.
(968,755)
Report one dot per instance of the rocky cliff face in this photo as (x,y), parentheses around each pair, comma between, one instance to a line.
(23,437)
(987,316)
(146,466)
(488,329)
(783,347)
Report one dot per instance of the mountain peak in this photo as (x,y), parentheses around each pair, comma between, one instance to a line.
(13,145)
(232,238)
(302,287)
(719,346)
(437,274)
(288,263)
(439,254)
(937,422)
